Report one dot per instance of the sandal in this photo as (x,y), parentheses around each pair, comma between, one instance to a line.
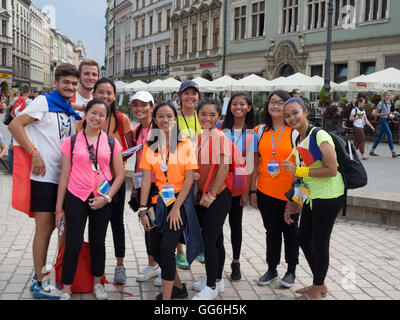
(372,153)
(306,290)
(364,158)
(395,155)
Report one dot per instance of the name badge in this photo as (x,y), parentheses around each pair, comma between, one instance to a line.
(103,187)
(273,169)
(167,193)
(301,194)
(137,180)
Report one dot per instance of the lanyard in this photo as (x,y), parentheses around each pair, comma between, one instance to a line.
(187,126)
(243,136)
(93,159)
(164,164)
(273,144)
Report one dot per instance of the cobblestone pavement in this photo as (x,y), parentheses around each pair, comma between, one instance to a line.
(364,264)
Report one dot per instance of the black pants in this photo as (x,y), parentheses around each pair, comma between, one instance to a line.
(316,226)
(163,247)
(272,212)
(76,214)
(235,223)
(117,222)
(212,222)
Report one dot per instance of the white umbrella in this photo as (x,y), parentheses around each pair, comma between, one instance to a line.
(120,85)
(224,83)
(251,83)
(296,81)
(135,86)
(321,82)
(386,79)
(154,86)
(204,85)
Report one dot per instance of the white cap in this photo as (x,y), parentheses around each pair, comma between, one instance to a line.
(143,96)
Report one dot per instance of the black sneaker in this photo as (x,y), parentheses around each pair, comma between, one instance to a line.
(177,293)
(267,278)
(235,275)
(288,280)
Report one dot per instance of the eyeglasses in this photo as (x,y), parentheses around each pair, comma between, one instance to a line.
(276,103)
(92,157)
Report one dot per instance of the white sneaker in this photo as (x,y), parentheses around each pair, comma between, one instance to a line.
(206,294)
(148,273)
(99,292)
(65,296)
(199,286)
(158,281)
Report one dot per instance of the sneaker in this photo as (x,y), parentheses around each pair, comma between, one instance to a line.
(236,274)
(158,281)
(199,286)
(99,292)
(46,291)
(65,296)
(33,283)
(288,280)
(119,275)
(201,258)
(206,294)
(267,278)
(181,261)
(177,293)
(148,273)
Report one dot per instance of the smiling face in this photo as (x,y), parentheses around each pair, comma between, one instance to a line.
(89,76)
(208,116)
(96,116)
(295,116)
(189,98)
(165,118)
(240,107)
(106,92)
(275,106)
(141,110)
(67,86)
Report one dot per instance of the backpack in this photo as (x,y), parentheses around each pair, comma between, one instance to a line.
(349,164)
(21,102)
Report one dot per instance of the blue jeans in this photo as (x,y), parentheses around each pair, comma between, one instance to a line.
(384,123)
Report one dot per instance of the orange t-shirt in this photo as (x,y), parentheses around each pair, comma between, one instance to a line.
(183,159)
(278,186)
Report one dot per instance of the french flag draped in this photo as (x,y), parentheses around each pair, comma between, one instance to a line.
(309,150)
(21,189)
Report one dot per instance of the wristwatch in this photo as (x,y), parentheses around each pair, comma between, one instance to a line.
(108,198)
(252,191)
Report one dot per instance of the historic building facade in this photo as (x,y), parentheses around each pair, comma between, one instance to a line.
(6,45)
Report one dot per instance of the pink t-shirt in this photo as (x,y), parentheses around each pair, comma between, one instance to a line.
(83,180)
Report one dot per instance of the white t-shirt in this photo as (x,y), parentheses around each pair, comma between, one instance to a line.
(359,117)
(81,100)
(47,135)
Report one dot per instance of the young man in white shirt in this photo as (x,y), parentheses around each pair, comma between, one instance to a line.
(40,130)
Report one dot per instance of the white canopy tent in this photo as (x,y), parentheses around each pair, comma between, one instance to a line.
(204,84)
(321,82)
(120,85)
(251,83)
(295,81)
(224,83)
(386,79)
(135,86)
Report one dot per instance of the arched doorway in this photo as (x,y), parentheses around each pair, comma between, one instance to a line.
(286,71)
(4,88)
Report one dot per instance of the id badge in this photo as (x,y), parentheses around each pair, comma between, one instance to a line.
(301,194)
(273,169)
(137,180)
(168,195)
(103,187)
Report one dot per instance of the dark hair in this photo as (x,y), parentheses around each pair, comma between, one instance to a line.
(65,70)
(229,117)
(25,88)
(153,139)
(113,107)
(90,105)
(179,102)
(267,119)
(210,101)
(294,92)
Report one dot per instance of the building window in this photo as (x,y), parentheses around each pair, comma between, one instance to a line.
(194,37)
(184,39)
(340,74)
(290,16)
(168,19)
(166,55)
(257,19)
(367,67)
(316,14)
(136,29)
(150,57)
(204,35)
(136,60)
(4,4)
(215,33)
(159,21)
(375,10)
(143,26)
(142,59)
(3,56)
(158,56)
(186,2)
(4,28)
(339,11)
(176,41)
(151,25)
(316,70)
(240,23)
(178,4)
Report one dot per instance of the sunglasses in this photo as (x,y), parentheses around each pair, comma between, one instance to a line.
(92,157)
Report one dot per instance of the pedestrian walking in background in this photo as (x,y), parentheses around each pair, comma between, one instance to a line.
(275,146)
(238,127)
(85,170)
(321,195)
(173,161)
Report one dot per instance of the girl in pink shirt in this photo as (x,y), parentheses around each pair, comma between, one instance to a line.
(81,186)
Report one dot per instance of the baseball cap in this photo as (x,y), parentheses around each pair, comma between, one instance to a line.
(189,84)
(143,96)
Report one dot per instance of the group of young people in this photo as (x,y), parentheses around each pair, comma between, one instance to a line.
(180,184)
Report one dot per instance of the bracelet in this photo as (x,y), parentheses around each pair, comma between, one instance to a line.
(211,195)
(58,212)
(252,191)
(33,149)
(302,172)
(142,213)
(143,209)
